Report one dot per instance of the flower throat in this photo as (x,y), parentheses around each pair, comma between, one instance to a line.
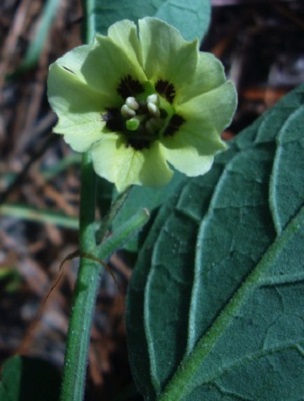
(146,114)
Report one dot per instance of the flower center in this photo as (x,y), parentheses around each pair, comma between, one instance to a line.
(144,119)
(144,116)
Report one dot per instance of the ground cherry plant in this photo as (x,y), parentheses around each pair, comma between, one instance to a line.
(215,304)
(138,102)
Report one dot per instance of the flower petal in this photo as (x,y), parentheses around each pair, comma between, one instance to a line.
(102,65)
(124,34)
(189,162)
(192,148)
(74,59)
(209,75)
(214,108)
(166,55)
(78,107)
(107,65)
(125,166)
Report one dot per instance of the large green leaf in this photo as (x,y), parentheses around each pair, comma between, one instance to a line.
(190,17)
(216,302)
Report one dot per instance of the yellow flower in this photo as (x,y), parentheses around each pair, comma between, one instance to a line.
(140,101)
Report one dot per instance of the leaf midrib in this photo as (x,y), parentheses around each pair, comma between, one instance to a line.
(177,387)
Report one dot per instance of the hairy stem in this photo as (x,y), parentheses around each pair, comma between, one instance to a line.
(85,294)
(92,258)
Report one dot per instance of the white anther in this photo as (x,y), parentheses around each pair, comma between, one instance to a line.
(127,112)
(153,99)
(153,109)
(151,125)
(132,103)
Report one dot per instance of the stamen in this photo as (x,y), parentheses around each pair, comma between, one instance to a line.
(152,125)
(139,120)
(153,109)
(127,112)
(153,99)
(132,103)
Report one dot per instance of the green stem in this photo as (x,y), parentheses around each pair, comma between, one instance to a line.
(85,294)
(107,220)
(90,269)
(91,261)
(89,20)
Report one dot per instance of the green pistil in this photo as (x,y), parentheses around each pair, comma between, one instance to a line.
(133,124)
